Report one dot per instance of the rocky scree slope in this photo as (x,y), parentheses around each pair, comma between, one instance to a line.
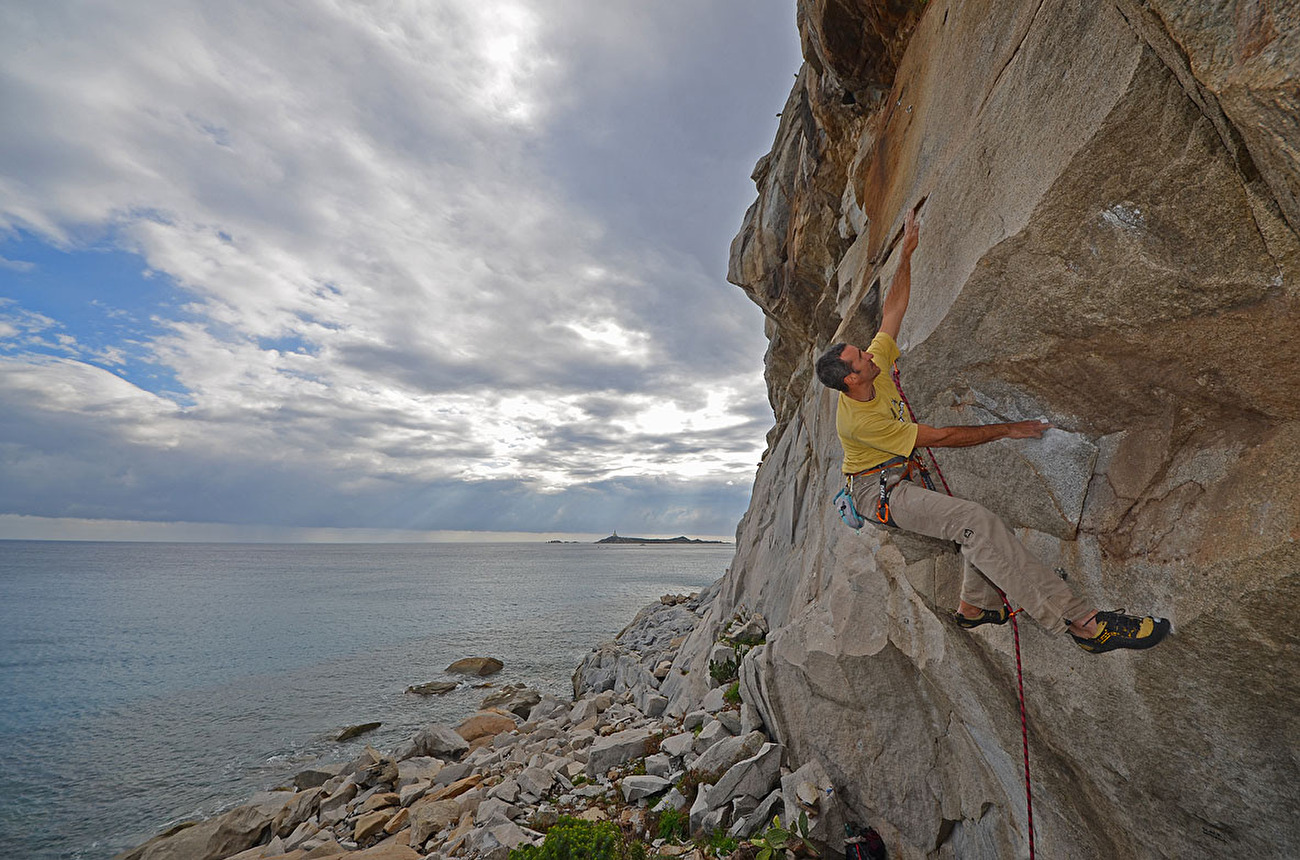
(1109,240)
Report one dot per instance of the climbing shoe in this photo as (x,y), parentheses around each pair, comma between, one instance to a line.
(1116,630)
(986,616)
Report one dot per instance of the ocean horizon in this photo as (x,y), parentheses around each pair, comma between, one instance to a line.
(146,684)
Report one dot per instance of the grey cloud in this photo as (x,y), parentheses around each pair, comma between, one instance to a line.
(321,177)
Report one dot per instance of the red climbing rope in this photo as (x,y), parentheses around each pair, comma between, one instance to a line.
(1015,632)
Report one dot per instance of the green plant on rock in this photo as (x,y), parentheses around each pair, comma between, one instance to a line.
(575,839)
(718,844)
(722,672)
(779,842)
(732,696)
(674,825)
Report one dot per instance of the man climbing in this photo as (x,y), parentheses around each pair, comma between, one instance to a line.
(879,444)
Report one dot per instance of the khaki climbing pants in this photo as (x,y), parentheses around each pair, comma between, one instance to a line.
(989,549)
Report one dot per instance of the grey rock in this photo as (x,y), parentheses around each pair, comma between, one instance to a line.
(750,720)
(316,775)
(510,835)
(430,818)
(535,781)
(417,769)
(694,720)
(731,721)
(507,790)
(548,708)
(658,765)
(678,745)
(435,740)
(304,805)
(452,773)
(583,710)
(494,811)
(753,777)
(518,699)
(433,688)
(616,749)
(638,787)
(713,732)
(810,787)
(699,811)
(672,800)
(767,809)
(408,794)
(726,753)
(655,705)
(715,700)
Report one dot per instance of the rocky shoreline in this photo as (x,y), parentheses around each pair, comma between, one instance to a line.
(701,769)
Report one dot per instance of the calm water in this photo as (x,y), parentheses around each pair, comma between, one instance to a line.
(141,684)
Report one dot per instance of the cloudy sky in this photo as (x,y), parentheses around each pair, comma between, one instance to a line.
(278,269)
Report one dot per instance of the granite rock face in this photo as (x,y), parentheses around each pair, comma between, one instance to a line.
(1109,240)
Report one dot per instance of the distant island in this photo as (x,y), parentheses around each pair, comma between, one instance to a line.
(681,539)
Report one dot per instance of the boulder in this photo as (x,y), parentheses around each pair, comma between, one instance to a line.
(316,775)
(535,781)
(480,666)
(713,732)
(725,754)
(392,848)
(417,769)
(636,787)
(485,725)
(548,708)
(355,731)
(677,745)
(515,698)
(433,688)
(754,777)
(435,740)
(304,805)
(616,749)
(216,838)
(430,818)
(369,824)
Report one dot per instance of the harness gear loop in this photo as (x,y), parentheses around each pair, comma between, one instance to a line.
(1015,628)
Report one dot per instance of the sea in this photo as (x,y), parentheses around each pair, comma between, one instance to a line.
(145,684)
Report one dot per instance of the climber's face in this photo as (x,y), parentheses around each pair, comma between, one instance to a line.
(863,367)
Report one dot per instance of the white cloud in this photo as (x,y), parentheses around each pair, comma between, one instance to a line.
(387,271)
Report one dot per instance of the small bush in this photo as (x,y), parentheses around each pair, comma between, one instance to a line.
(732,696)
(575,839)
(674,825)
(722,672)
(719,844)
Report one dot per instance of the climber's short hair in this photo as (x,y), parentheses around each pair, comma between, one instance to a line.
(831,368)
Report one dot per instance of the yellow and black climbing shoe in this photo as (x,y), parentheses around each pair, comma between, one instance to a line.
(986,616)
(1116,630)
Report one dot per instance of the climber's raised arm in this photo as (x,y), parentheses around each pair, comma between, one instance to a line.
(895,304)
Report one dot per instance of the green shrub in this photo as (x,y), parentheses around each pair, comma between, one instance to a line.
(674,825)
(732,696)
(575,839)
(722,672)
(719,844)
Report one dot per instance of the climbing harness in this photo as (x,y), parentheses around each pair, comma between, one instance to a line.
(891,472)
(1015,630)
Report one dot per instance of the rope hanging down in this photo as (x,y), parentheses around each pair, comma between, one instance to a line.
(1015,632)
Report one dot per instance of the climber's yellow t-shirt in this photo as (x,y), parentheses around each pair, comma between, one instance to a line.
(874,431)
